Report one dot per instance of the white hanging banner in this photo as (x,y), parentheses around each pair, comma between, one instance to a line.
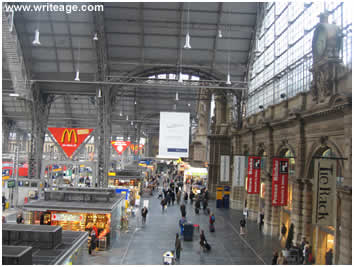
(224,168)
(325,191)
(239,171)
(174,135)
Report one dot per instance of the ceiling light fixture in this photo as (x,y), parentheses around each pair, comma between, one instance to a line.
(131,123)
(95,37)
(177,96)
(99,93)
(219,34)
(180,78)
(121,113)
(187,45)
(12,13)
(135,102)
(14,94)
(77,77)
(228,80)
(127,118)
(36,38)
(189,104)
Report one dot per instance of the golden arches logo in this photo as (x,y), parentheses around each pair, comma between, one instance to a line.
(69,135)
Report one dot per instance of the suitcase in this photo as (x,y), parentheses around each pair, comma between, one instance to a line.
(212,228)
(207,246)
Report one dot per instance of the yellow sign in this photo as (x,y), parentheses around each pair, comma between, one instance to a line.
(69,135)
(6,177)
(111,174)
(219,191)
(83,131)
(142,164)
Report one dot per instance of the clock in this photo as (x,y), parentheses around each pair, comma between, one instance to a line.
(320,44)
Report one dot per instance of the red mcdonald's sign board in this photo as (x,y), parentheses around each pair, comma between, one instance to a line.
(254,175)
(280,182)
(70,138)
(120,146)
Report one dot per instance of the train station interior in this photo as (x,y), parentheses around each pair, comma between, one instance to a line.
(189,133)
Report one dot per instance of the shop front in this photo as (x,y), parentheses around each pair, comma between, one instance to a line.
(103,218)
(324,240)
(130,187)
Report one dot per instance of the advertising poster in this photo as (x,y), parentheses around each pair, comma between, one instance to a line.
(325,190)
(70,139)
(254,175)
(280,182)
(224,168)
(120,146)
(239,171)
(174,134)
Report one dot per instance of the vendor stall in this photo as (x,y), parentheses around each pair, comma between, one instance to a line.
(197,176)
(101,216)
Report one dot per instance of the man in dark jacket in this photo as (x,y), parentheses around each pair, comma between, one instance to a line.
(178,247)
(183,210)
(329,257)
(144,212)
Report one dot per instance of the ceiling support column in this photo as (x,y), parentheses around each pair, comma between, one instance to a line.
(39,110)
(7,127)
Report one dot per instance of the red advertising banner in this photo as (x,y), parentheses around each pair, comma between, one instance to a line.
(254,175)
(120,146)
(280,182)
(70,138)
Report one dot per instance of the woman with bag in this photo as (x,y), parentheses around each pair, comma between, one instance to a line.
(211,222)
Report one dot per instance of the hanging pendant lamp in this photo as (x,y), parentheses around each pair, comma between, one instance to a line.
(177,96)
(36,38)
(77,77)
(187,45)
(95,37)
(228,82)
(180,78)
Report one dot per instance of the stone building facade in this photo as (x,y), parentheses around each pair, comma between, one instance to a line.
(314,124)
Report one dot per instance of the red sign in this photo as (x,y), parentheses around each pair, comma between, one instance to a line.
(70,138)
(254,175)
(280,182)
(120,146)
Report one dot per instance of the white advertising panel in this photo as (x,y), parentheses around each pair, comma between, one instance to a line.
(174,134)
(239,171)
(224,168)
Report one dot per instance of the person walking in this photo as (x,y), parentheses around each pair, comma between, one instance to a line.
(178,195)
(181,223)
(281,259)
(261,221)
(275,258)
(163,204)
(173,197)
(3,203)
(242,226)
(185,197)
(302,250)
(183,210)
(19,219)
(283,231)
(197,206)
(168,197)
(191,196)
(211,222)
(329,257)
(205,205)
(93,242)
(144,212)
(178,247)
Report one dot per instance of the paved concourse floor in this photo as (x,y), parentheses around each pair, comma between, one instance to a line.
(146,244)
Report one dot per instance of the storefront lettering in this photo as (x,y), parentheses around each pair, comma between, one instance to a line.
(324,193)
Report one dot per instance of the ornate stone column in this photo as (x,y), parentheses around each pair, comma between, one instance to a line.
(297,208)
(307,210)
(267,229)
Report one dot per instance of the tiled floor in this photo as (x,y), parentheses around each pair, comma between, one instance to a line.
(146,245)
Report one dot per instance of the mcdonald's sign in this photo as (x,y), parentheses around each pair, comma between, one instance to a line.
(70,139)
(72,132)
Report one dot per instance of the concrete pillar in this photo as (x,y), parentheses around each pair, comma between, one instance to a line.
(253,206)
(297,208)
(345,235)
(307,210)
(268,207)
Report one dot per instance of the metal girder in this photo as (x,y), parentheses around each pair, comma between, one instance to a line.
(71,42)
(104,103)
(179,38)
(68,109)
(126,33)
(142,40)
(54,42)
(13,54)
(216,36)
(39,110)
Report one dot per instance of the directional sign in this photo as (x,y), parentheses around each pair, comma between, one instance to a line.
(120,146)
